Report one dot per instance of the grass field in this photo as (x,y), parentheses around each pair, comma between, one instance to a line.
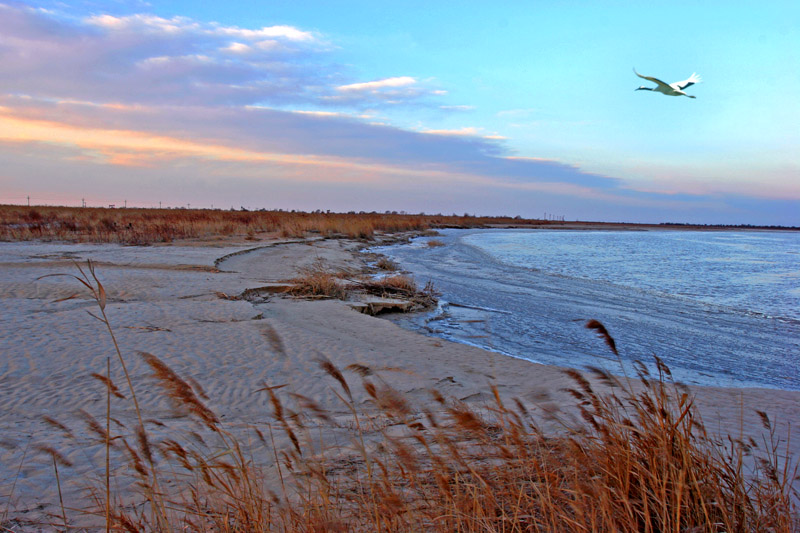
(147,226)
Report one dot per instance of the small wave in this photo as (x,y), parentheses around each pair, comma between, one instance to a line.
(479,308)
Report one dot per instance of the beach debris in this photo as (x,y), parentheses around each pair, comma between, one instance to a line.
(256,294)
(376,305)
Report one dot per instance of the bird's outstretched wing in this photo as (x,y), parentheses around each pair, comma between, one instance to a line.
(694,78)
(654,80)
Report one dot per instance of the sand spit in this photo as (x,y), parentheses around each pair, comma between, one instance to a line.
(166,300)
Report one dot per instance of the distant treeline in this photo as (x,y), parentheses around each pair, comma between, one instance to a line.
(730,226)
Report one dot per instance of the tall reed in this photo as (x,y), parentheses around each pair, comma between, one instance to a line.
(147,226)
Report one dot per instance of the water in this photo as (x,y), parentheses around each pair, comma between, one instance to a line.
(755,272)
(720,308)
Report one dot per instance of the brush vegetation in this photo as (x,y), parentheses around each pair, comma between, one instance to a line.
(147,226)
(641,460)
(384,263)
(318,281)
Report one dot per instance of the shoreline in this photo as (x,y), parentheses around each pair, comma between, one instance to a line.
(166,300)
(632,226)
(704,342)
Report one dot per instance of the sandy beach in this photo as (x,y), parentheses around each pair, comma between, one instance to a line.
(178,302)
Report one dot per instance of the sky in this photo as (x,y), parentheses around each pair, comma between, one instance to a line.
(507,108)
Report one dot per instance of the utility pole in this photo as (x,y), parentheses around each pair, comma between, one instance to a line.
(83,202)
(29,200)
(126,204)
(159,205)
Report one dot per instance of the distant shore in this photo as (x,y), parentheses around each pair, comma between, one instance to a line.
(136,226)
(631,226)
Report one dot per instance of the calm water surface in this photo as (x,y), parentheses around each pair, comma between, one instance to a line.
(749,271)
(721,308)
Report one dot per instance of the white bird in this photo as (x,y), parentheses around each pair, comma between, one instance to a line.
(672,89)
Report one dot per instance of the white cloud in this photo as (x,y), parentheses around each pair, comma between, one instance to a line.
(289,33)
(167,61)
(332,114)
(457,107)
(461,132)
(399,81)
(393,91)
(237,48)
(320,113)
(147,59)
(152,23)
(466,132)
(267,45)
(155,61)
(149,23)
(144,59)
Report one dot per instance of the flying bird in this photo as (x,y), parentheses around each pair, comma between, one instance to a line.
(672,89)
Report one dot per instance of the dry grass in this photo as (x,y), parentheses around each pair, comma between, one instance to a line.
(403,287)
(317,281)
(641,461)
(435,243)
(384,263)
(396,284)
(147,226)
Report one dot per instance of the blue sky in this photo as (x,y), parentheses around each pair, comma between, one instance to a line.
(519,108)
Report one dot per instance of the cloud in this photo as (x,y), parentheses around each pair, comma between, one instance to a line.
(154,24)
(152,60)
(143,23)
(144,59)
(461,132)
(237,48)
(126,148)
(377,85)
(392,91)
(457,107)
(300,139)
(466,132)
(288,33)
